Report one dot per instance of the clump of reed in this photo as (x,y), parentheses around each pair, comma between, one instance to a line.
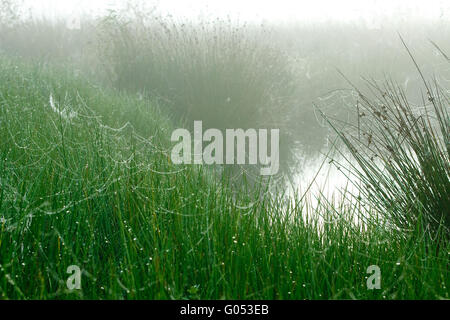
(219,71)
(401,154)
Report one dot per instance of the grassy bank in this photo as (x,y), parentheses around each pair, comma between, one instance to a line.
(86,179)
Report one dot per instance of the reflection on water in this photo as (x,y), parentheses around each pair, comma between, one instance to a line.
(322,177)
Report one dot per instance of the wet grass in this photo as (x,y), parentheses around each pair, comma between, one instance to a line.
(86,179)
(402,153)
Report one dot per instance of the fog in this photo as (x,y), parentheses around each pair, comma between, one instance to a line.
(370,11)
(243,64)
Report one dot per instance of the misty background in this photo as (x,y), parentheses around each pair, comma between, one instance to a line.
(241,64)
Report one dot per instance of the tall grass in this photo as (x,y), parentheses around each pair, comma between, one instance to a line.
(208,70)
(402,154)
(86,176)
(97,190)
(221,72)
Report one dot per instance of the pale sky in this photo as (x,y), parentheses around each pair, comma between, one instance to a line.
(306,10)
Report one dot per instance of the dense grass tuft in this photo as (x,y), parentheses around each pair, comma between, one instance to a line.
(402,154)
(224,73)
